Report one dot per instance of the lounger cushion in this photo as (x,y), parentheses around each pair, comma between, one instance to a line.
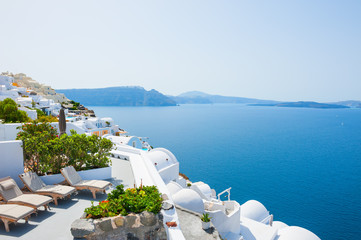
(32,199)
(93,183)
(6,185)
(9,189)
(59,189)
(32,180)
(14,211)
(71,175)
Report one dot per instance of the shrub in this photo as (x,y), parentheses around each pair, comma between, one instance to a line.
(47,119)
(36,144)
(10,113)
(39,112)
(123,202)
(45,152)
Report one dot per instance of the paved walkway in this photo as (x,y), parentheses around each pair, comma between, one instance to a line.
(191,226)
(55,224)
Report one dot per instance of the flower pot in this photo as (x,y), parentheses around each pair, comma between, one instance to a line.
(206,225)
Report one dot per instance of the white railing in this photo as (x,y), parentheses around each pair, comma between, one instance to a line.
(228,190)
(268,219)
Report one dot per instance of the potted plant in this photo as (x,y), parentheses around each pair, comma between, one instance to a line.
(206,221)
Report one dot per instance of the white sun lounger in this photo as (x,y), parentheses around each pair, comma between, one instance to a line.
(32,182)
(11,194)
(13,213)
(73,179)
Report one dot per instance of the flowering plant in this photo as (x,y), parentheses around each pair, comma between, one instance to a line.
(123,202)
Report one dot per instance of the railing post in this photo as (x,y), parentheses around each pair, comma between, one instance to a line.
(271,220)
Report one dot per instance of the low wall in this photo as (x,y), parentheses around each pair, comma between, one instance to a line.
(11,160)
(92,174)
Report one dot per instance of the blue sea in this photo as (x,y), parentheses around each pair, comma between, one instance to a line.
(303,164)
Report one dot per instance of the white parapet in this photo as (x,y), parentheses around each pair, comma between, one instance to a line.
(11,160)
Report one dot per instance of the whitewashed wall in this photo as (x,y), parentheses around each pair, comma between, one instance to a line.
(11,160)
(8,131)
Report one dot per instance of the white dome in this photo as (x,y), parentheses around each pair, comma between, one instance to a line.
(254,210)
(296,233)
(174,187)
(162,158)
(279,225)
(189,199)
(165,163)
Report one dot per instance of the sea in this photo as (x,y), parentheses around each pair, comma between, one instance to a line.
(303,164)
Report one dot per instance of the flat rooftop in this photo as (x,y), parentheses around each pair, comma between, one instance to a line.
(55,224)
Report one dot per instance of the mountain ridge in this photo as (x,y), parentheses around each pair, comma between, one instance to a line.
(118,96)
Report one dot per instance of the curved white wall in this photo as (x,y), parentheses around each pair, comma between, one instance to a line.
(296,233)
(166,164)
(189,199)
(254,210)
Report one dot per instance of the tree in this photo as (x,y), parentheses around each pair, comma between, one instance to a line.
(10,113)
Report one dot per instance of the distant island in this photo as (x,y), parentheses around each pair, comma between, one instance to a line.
(196,97)
(302,104)
(118,96)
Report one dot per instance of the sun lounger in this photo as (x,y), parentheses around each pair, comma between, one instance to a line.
(13,213)
(32,182)
(73,178)
(11,194)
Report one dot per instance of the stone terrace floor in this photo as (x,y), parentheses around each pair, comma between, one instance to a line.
(55,224)
(191,226)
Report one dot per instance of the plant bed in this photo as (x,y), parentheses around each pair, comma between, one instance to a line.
(124,202)
(134,212)
(144,225)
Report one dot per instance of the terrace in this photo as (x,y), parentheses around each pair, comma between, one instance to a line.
(55,224)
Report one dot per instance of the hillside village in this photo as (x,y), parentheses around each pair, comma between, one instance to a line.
(29,93)
(34,98)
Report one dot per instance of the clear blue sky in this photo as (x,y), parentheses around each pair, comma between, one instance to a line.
(282,50)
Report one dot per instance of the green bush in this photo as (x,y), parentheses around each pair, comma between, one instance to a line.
(47,119)
(39,112)
(10,113)
(123,202)
(45,152)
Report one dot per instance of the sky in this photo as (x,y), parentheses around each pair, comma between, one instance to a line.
(280,50)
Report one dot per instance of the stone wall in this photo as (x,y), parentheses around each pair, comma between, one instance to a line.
(145,225)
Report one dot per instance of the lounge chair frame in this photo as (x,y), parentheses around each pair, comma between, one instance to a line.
(7,220)
(93,190)
(54,195)
(45,205)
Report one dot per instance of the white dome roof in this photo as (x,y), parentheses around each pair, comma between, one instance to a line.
(279,225)
(174,187)
(162,158)
(254,210)
(296,233)
(189,199)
